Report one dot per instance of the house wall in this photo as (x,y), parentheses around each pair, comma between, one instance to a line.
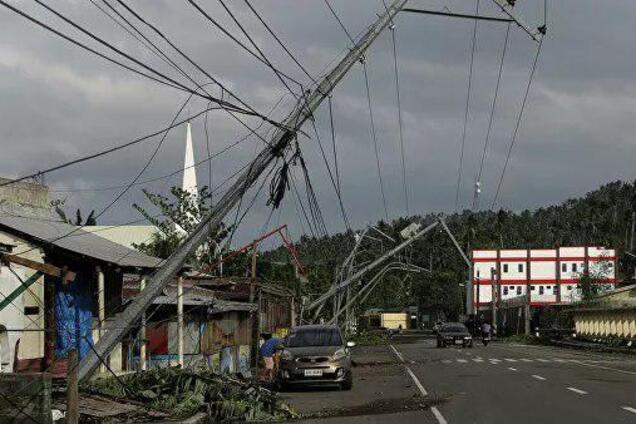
(31,343)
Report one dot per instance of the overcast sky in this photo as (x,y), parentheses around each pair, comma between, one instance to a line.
(58,102)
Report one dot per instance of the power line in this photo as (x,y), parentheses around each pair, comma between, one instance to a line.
(399,109)
(375,139)
(490,121)
(278,40)
(236,40)
(127,56)
(333,143)
(147,43)
(518,123)
(178,171)
(335,15)
(202,70)
(466,109)
(107,151)
(258,49)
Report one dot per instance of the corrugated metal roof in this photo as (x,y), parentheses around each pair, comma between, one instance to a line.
(42,230)
(126,235)
(196,296)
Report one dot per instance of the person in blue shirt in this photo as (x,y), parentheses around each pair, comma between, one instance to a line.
(268,351)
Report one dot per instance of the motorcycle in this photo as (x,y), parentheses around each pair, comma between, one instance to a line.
(485,338)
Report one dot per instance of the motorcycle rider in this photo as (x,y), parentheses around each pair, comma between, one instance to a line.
(486,329)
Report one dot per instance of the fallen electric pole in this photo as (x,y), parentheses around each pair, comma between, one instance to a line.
(281,140)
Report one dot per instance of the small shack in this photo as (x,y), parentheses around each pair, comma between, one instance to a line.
(44,313)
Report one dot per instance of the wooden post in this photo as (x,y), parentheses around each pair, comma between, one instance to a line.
(49,320)
(256,317)
(101,306)
(72,391)
(143,355)
(180,320)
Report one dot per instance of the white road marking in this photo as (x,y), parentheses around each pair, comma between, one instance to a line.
(512,369)
(478,360)
(462,361)
(560,360)
(417,382)
(398,354)
(630,409)
(438,415)
(526,360)
(542,360)
(538,377)
(604,368)
(494,361)
(575,390)
(446,361)
(511,360)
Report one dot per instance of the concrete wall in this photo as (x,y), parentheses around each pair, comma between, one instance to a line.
(25,194)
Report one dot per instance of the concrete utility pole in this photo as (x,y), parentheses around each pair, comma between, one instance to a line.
(280,141)
(322,298)
(469,264)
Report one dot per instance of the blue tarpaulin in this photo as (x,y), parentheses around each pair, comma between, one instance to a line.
(74,317)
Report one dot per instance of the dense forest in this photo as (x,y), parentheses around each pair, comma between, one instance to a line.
(602,217)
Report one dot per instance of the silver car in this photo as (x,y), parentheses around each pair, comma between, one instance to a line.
(316,355)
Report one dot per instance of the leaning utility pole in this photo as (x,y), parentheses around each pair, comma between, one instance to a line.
(281,140)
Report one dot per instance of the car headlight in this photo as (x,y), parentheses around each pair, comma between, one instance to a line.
(286,355)
(468,337)
(339,354)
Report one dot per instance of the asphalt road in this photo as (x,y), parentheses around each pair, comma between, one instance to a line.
(500,383)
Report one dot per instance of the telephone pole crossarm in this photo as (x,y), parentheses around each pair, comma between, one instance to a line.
(114,331)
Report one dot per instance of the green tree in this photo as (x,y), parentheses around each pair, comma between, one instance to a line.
(180,214)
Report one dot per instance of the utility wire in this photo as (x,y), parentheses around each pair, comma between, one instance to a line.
(236,40)
(518,123)
(375,140)
(333,143)
(258,49)
(107,151)
(467,108)
(130,58)
(399,109)
(490,122)
(335,15)
(146,41)
(278,40)
(331,177)
(202,70)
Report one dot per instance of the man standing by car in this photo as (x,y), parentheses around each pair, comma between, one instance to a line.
(267,351)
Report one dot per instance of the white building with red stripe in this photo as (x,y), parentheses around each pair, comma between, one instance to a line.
(549,275)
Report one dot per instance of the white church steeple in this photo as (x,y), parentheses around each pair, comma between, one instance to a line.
(189,182)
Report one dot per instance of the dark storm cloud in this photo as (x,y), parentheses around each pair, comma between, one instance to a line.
(57,102)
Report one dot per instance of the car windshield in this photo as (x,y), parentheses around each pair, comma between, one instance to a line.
(454,328)
(314,337)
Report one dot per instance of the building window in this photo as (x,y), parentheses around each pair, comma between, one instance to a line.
(520,267)
(540,289)
(505,268)
(610,264)
(564,267)
(31,310)
(531,288)
(477,273)
(573,267)
(512,287)
(505,291)
(548,287)
(518,290)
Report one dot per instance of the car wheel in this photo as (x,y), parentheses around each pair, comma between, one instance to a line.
(348,383)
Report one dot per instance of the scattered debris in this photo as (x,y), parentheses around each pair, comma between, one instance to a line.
(381,406)
(181,393)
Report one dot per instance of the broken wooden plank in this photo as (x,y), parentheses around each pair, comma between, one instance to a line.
(47,269)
